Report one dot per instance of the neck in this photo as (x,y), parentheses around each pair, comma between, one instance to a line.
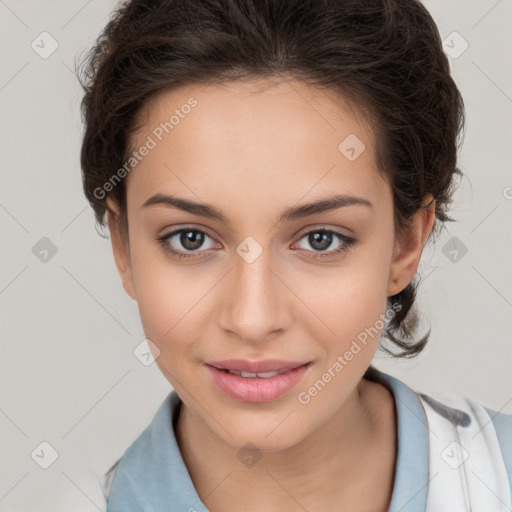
(338,454)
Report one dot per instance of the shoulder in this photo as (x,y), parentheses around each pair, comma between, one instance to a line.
(463,412)
(468,446)
(107,478)
(502,424)
(139,473)
(465,435)
(113,482)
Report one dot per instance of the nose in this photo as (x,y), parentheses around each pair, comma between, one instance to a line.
(257,301)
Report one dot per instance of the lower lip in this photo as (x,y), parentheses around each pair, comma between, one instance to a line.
(256,390)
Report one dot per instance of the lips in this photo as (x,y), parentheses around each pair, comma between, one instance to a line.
(256,381)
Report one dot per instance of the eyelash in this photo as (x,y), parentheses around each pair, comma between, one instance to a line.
(346,243)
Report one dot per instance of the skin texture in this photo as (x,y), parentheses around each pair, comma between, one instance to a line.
(253,149)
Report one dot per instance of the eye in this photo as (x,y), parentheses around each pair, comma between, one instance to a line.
(192,243)
(322,239)
(190,239)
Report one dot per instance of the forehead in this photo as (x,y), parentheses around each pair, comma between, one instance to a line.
(274,138)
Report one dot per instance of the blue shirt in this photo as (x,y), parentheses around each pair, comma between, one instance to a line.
(151,476)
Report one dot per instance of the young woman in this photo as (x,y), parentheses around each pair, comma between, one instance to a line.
(270,172)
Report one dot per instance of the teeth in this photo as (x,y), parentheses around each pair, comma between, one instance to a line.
(266,375)
(260,375)
(248,374)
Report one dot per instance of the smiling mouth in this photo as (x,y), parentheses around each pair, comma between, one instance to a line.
(276,381)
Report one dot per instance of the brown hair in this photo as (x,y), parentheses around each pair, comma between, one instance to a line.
(385,56)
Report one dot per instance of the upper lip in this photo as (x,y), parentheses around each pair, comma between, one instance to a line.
(267,365)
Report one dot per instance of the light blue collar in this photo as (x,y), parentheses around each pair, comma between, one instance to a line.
(151,476)
(411,476)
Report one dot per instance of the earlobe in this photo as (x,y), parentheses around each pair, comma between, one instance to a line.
(409,246)
(120,251)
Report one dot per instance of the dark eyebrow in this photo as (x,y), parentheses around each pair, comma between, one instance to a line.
(292,213)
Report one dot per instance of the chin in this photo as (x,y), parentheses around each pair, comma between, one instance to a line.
(274,433)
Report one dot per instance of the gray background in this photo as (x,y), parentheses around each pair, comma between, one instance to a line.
(68,375)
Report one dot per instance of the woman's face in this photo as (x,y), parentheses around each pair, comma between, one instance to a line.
(262,277)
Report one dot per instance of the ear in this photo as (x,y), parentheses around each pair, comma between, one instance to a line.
(120,248)
(409,246)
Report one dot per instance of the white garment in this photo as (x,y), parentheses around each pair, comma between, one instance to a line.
(466,468)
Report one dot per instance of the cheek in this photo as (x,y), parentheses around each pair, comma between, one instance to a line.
(168,298)
(347,300)
(170,320)
(167,304)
